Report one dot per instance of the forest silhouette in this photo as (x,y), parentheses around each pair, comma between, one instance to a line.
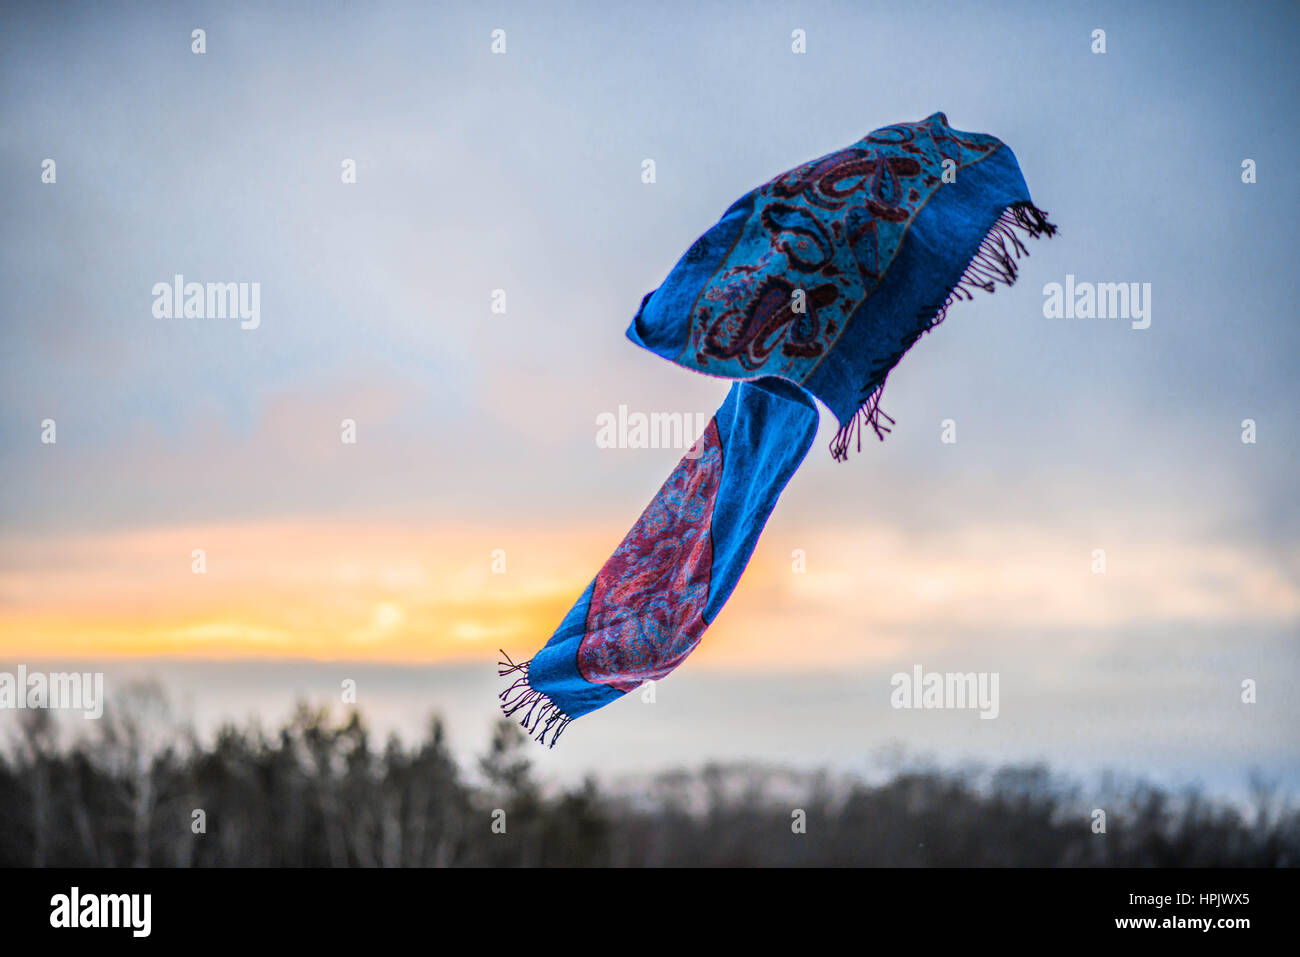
(319,792)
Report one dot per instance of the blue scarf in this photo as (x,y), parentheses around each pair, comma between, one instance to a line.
(810,286)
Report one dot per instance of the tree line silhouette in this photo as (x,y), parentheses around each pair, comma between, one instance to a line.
(319,793)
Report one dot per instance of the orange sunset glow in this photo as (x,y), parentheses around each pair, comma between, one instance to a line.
(426,593)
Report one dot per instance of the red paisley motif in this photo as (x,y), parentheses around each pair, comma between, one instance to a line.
(647,604)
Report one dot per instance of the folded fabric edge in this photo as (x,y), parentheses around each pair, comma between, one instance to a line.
(994,261)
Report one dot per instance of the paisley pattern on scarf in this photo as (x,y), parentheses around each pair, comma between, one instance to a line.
(830,228)
(808,288)
(647,604)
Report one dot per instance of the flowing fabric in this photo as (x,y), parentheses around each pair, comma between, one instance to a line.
(811,286)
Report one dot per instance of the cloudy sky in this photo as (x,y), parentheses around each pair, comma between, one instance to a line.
(476,430)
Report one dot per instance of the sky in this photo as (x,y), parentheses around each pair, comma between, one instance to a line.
(475,430)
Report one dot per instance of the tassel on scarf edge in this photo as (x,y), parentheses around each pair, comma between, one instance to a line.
(543,716)
(994,262)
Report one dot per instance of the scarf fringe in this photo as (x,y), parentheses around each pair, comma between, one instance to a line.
(541,715)
(869,413)
(994,262)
